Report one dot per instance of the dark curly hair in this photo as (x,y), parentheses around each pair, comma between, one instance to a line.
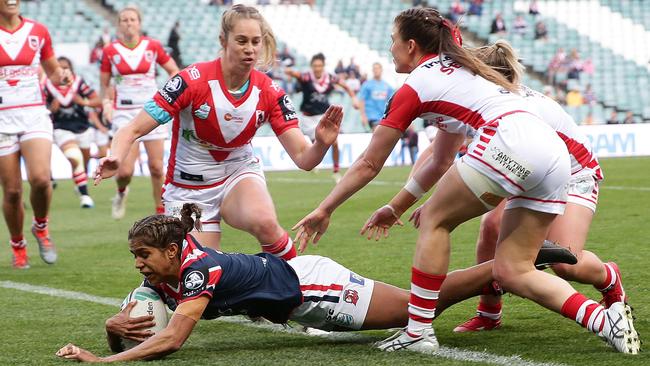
(159,231)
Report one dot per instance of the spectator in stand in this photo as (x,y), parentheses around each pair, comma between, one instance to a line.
(373,97)
(548,91)
(413,144)
(354,68)
(574,64)
(533,8)
(589,119)
(560,92)
(173,43)
(498,25)
(629,118)
(456,10)
(589,96)
(613,118)
(340,70)
(96,53)
(286,58)
(588,67)
(574,98)
(353,82)
(520,25)
(106,36)
(556,65)
(475,7)
(540,31)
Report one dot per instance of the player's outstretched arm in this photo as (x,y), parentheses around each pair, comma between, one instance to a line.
(307,156)
(422,180)
(364,170)
(169,340)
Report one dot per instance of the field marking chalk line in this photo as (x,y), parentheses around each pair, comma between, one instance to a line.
(446,352)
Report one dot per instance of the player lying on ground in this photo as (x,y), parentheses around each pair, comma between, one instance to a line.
(199,282)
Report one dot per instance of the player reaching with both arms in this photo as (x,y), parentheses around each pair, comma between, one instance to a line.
(215,108)
(26,128)
(198,282)
(130,62)
(514,156)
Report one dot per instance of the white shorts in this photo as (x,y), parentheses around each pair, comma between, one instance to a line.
(209,199)
(308,125)
(334,297)
(23,125)
(583,190)
(100,138)
(526,158)
(121,117)
(84,139)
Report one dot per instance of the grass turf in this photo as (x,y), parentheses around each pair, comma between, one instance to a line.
(93,258)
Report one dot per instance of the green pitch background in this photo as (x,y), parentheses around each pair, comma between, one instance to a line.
(94,259)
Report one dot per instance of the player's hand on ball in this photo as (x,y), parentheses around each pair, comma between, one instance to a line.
(72,352)
(328,127)
(379,222)
(134,329)
(311,228)
(415,217)
(106,168)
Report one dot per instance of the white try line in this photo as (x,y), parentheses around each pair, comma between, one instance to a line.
(446,352)
(399,184)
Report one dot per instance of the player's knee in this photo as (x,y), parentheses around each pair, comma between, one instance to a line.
(39,182)
(265,228)
(565,271)
(505,274)
(156,169)
(13,195)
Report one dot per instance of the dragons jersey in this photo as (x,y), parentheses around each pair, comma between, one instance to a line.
(580,151)
(450,95)
(253,285)
(21,52)
(70,116)
(212,131)
(133,70)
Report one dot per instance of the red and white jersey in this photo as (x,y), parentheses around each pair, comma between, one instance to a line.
(582,155)
(21,52)
(212,131)
(455,99)
(133,70)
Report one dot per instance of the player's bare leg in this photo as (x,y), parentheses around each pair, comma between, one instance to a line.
(249,207)
(123,178)
(76,159)
(37,156)
(335,161)
(210,239)
(155,151)
(12,206)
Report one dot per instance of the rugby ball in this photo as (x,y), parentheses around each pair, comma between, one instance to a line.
(148,303)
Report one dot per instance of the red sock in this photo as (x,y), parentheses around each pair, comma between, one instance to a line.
(336,168)
(121,190)
(17,241)
(282,247)
(489,311)
(160,210)
(585,312)
(424,298)
(40,222)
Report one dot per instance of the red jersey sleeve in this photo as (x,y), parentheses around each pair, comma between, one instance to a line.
(282,113)
(46,51)
(106,62)
(175,95)
(402,108)
(162,55)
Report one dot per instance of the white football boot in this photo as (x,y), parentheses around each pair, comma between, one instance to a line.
(427,343)
(86,201)
(618,329)
(118,209)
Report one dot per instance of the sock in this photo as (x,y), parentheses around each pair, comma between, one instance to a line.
(610,280)
(81,180)
(282,247)
(585,312)
(489,311)
(121,190)
(425,288)
(336,168)
(160,210)
(18,241)
(40,223)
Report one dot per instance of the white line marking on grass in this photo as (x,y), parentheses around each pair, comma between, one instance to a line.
(396,183)
(446,352)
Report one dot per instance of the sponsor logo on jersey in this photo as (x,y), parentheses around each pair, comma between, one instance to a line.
(194,73)
(275,86)
(351,297)
(173,89)
(191,177)
(288,110)
(234,118)
(203,111)
(194,280)
(355,278)
(33,42)
(148,55)
(117,59)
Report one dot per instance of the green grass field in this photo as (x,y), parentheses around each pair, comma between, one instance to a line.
(94,259)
